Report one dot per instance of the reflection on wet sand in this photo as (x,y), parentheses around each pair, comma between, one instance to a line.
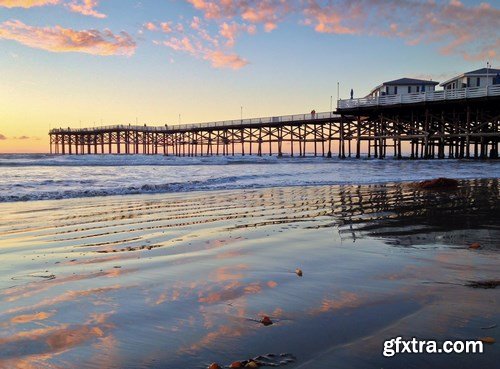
(183,280)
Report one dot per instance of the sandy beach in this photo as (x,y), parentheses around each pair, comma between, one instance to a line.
(183,280)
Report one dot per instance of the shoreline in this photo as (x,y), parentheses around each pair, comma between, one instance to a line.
(254,188)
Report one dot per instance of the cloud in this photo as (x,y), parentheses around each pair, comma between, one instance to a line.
(183,44)
(455,28)
(150,26)
(266,12)
(468,29)
(220,59)
(215,9)
(231,30)
(2,137)
(85,7)
(333,19)
(59,39)
(166,27)
(27,3)
(196,23)
(23,138)
(196,41)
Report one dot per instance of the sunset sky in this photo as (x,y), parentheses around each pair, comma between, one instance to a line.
(73,63)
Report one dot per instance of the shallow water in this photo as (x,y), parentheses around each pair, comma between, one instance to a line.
(43,177)
(181,280)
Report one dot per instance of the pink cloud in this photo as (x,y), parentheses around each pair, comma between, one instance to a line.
(197,41)
(270,26)
(215,9)
(59,39)
(85,7)
(220,59)
(26,3)
(231,30)
(182,44)
(166,27)
(266,12)
(332,18)
(196,23)
(251,29)
(455,28)
(150,26)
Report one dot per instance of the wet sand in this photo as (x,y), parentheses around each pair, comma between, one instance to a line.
(180,281)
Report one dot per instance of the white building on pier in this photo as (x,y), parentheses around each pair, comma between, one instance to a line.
(403,86)
(476,78)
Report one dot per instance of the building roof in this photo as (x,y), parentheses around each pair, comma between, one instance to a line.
(475,73)
(483,71)
(410,81)
(406,82)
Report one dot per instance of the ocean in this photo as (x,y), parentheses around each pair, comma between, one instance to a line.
(28,177)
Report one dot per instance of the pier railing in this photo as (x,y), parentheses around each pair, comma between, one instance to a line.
(225,123)
(418,97)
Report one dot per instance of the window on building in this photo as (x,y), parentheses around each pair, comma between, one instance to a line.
(409,89)
(395,90)
(418,88)
(478,82)
(468,81)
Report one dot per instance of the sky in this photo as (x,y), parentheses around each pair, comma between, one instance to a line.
(84,63)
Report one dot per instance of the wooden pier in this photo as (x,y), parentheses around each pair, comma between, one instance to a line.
(456,124)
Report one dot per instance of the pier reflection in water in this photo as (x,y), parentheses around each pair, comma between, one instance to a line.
(182,280)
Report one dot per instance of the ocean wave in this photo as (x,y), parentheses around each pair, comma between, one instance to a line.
(45,177)
(21,160)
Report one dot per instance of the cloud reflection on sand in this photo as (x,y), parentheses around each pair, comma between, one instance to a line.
(185,278)
(33,348)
